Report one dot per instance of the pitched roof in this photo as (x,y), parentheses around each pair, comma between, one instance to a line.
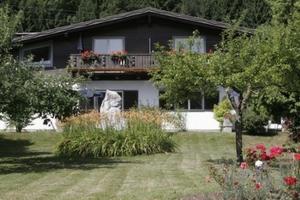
(123,17)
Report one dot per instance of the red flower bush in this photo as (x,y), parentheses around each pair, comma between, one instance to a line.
(276,151)
(290,180)
(259,152)
(261,147)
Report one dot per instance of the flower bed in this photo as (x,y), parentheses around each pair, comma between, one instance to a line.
(267,173)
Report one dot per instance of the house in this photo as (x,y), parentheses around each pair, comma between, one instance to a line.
(126,43)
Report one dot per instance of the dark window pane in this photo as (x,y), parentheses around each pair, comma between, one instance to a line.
(98,98)
(39,54)
(211,100)
(130,99)
(183,105)
(196,101)
(90,103)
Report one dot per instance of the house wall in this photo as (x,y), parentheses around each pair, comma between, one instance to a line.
(137,33)
(148,95)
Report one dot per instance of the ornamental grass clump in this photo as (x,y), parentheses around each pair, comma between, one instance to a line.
(140,133)
(268,173)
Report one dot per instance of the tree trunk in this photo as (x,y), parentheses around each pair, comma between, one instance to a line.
(239,139)
(239,106)
(19,128)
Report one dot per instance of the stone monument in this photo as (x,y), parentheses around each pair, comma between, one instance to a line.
(110,110)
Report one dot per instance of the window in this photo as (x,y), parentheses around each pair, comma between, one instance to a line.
(130,99)
(40,55)
(211,100)
(93,101)
(197,102)
(108,45)
(183,43)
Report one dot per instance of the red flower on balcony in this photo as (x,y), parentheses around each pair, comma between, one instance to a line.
(290,180)
(89,57)
(119,57)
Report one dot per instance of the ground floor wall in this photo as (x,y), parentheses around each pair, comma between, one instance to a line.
(192,121)
(148,95)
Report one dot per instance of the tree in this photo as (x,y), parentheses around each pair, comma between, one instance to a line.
(44,14)
(182,83)
(8,25)
(244,64)
(86,10)
(55,95)
(27,94)
(16,93)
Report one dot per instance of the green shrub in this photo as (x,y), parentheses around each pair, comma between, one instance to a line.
(221,110)
(141,135)
(254,122)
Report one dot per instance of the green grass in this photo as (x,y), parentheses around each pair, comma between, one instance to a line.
(29,169)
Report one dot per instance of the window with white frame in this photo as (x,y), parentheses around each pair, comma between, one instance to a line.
(198,101)
(108,45)
(40,54)
(185,43)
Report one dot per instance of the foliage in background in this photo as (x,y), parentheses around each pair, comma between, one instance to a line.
(44,14)
(255,120)
(8,25)
(142,134)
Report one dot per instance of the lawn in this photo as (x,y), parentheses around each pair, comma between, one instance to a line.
(30,170)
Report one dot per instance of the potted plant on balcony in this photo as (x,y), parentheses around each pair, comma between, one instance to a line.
(90,57)
(119,57)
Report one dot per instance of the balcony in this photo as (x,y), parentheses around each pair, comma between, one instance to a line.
(110,63)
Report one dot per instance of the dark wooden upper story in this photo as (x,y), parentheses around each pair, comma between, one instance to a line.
(136,32)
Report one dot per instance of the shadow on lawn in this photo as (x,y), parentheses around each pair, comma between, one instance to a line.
(221,161)
(13,148)
(16,158)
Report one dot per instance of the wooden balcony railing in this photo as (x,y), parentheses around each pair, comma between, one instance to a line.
(130,62)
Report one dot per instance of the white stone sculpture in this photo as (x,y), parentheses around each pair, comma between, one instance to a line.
(111,102)
(110,110)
